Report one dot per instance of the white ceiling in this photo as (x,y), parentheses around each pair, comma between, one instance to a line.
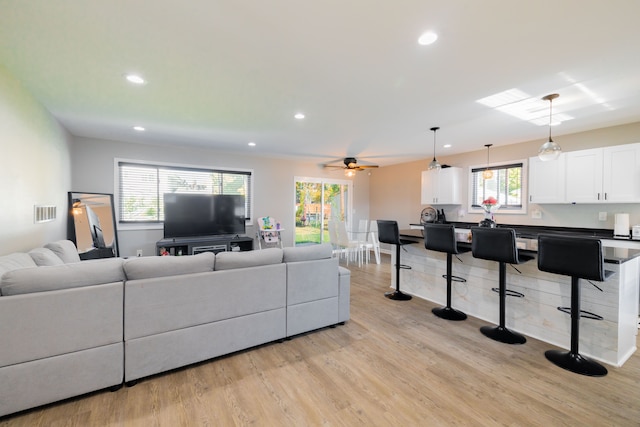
(222,73)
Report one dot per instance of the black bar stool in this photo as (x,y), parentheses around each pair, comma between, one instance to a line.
(499,244)
(388,233)
(580,258)
(442,238)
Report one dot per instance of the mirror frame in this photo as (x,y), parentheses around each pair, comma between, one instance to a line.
(79,198)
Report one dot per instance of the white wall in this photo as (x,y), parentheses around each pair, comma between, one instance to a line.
(35,168)
(395,190)
(274,192)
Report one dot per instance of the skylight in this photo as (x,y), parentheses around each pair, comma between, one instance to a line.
(517,103)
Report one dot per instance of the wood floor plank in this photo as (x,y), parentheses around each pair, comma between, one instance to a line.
(393,364)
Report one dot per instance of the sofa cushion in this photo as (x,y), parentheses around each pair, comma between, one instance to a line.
(161,266)
(14,261)
(65,250)
(44,256)
(308,253)
(231,260)
(49,278)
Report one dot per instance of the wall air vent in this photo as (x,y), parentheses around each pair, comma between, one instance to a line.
(44,213)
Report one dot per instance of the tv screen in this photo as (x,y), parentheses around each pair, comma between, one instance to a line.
(191,215)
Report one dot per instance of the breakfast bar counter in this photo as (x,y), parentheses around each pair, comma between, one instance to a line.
(611,340)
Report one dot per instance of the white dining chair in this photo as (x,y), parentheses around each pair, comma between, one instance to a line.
(351,247)
(333,239)
(364,239)
(373,232)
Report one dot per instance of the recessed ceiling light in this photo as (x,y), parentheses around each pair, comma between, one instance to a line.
(447,145)
(135,79)
(427,38)
(252,144)
(299,116)
(139,128)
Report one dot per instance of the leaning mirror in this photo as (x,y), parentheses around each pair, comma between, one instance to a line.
(91,225)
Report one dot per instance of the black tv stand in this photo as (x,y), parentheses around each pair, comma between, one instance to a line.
(195,245)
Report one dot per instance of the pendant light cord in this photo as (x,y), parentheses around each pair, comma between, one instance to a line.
(434,129)
(550,115)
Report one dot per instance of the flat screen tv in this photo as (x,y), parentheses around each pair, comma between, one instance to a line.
(192,215)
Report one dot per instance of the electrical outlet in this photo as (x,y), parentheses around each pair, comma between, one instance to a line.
(139,252)
(536,214)
(602,216)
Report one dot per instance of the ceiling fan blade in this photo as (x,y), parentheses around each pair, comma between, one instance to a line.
(366,166)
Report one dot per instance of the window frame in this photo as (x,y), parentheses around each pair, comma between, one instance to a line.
(477,209)
(150,225)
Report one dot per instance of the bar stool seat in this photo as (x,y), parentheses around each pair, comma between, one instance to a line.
(389,233)
(442,238)
(580,258)
(499,244)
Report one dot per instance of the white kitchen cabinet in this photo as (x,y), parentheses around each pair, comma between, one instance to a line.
(547,180)
(604,175)
(621,173)
(584,176)
(442,186)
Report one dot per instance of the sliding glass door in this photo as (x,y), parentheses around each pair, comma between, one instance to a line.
(319,200)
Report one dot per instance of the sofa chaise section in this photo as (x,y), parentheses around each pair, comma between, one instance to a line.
(60,335)
(317,289)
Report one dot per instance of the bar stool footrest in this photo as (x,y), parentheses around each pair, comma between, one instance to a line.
(405,267)
(502,334)
(509,293)
(576,363)
(456,278)
(583,313)
(449,313)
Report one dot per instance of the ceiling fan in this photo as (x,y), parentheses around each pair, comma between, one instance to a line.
(350,166)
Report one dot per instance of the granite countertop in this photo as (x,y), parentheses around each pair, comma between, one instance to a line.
(527,240)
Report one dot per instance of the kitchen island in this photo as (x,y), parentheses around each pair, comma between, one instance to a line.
(611,340)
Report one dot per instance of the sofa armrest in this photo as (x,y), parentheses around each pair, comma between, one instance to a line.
(344,294)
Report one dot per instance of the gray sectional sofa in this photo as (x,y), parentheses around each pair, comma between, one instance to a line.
(69,327)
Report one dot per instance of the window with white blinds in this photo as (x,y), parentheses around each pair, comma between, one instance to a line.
(142,187)
(505,185)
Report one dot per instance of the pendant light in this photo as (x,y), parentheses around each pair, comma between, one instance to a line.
(488,173)
(434,163)
(549,150)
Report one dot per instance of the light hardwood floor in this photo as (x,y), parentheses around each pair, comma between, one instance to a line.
(392,364)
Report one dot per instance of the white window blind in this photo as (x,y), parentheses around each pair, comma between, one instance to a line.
(142,188)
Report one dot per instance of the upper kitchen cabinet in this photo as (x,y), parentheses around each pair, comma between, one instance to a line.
(621,173)
(442,186)
(604,175)
(547,180)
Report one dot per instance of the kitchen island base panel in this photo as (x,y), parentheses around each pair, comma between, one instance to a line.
(611,341)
